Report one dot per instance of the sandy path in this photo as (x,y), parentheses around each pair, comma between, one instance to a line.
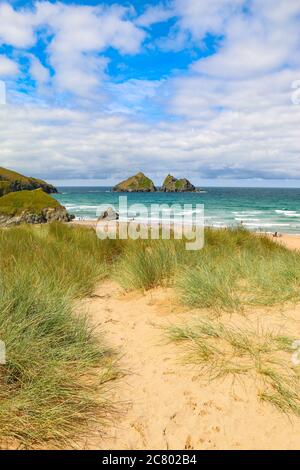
(164,403)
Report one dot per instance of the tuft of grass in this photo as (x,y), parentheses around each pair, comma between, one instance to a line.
(273,278)
(221,350)
(53,383)
(145,265)
(209,285)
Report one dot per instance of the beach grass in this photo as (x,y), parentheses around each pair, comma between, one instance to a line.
(146,264)
(238,268)
(221,349)
(53,382)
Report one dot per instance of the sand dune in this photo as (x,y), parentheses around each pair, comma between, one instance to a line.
(164,404)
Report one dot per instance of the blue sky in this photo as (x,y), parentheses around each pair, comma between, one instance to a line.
(99,90)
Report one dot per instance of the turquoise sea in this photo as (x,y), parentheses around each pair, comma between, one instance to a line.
(268,210)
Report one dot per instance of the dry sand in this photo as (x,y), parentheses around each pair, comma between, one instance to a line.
(163,403)
(290,241)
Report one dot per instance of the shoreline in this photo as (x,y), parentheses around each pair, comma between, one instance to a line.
(291,241)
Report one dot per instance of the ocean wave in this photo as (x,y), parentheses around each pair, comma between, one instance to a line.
(247,220)
(261,225)
(288,213)
(81,207)
(245,213)
(77,217)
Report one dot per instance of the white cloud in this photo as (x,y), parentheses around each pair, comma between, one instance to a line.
(200,17)
(130,95)
(16,28)
(57,143)
(81,33)
(38,72)
(155,14)
(254,45)
(8,68)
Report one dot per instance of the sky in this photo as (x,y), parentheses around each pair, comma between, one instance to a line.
(99,90)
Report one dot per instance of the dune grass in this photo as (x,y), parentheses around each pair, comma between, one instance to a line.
(235,268)
(222,349)
(147,264)
(238,268)
(52,384)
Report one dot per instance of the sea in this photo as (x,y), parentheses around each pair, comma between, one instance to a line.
(257,209)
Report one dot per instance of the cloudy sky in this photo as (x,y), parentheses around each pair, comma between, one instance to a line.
(98,90)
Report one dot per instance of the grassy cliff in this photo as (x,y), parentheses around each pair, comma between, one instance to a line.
(11,181)
(4,187)
(31,201)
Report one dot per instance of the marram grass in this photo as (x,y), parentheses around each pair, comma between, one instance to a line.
(237,268)
(220,350)
(52,384)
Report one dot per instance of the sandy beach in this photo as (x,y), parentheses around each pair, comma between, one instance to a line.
(290,241)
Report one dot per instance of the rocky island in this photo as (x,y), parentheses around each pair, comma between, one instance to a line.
(174,185)
(11,181)
(137,183)
(31,207)
(141,183)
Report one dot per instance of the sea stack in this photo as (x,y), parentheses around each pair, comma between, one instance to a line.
(174,185)
(137,183)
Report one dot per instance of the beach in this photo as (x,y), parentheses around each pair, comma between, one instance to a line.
(289,241)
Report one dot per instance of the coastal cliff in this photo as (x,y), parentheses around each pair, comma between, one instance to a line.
(11,181)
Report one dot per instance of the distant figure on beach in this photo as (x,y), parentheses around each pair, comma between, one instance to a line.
(275,235)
